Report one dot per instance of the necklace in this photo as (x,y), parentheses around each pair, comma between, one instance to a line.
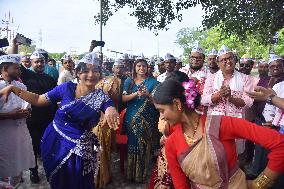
(191,140)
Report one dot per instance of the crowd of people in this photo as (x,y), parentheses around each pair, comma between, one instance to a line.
(208,124)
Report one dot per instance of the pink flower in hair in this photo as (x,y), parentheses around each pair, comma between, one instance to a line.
(191,92)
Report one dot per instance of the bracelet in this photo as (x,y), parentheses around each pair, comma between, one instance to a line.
(262,182)
(269,99)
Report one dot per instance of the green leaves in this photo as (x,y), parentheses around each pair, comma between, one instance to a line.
(215,38)
(235,17)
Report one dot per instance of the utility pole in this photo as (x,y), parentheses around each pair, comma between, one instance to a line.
(101,30)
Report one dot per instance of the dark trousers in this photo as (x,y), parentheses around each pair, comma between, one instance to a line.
(36,129)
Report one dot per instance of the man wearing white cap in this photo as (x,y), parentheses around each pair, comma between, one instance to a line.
(271,113)
(128,63)
(118,72)
(151,67)
(263,69)
(265,112)
(246,65)
(212,62)
(68,73)
(38,82)
(170,63)
(225,92)
(195,67)
(26,61)
(160,68)
(16,150)
(178,65)
(49,70)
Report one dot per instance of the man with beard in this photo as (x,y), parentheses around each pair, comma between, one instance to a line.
(16,153)
(212,62)
(49,70)
(195,69)
(170,63)
(38,82)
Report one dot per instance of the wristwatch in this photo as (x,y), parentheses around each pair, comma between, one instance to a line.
(269,99)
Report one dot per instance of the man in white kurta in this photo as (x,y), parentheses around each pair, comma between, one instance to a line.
(16,152)
(237,85)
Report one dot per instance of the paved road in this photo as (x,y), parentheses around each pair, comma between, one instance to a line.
(118,181)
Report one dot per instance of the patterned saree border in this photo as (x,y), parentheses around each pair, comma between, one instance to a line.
(217,149)
(76,150)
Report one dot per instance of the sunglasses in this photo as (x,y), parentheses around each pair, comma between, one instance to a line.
(242,65)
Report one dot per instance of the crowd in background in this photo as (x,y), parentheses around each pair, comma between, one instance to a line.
(73,118)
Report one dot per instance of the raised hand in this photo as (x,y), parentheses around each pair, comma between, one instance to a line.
(5,92)
(261,93)
(112,117)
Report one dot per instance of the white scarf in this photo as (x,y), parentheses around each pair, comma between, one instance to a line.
(236,82)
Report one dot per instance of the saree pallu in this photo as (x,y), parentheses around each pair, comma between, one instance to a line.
(106,138)
(205,163)
(140,137)
(70,151)
(106,135)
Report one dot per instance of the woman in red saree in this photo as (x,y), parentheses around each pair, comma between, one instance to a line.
(201,152)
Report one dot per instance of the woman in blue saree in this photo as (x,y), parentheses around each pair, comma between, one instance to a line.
(70,150)
(140,121)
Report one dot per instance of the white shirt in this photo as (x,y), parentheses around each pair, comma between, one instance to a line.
(16,152)
(161,78)
(65,76)
(13,100)
(271,112)
(199,74)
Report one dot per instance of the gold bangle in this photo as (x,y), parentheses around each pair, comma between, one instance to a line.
(262,182)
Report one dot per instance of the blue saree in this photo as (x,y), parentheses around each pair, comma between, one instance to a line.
(140,125)
(69,149)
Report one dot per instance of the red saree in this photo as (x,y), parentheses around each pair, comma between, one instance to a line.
(193,167)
